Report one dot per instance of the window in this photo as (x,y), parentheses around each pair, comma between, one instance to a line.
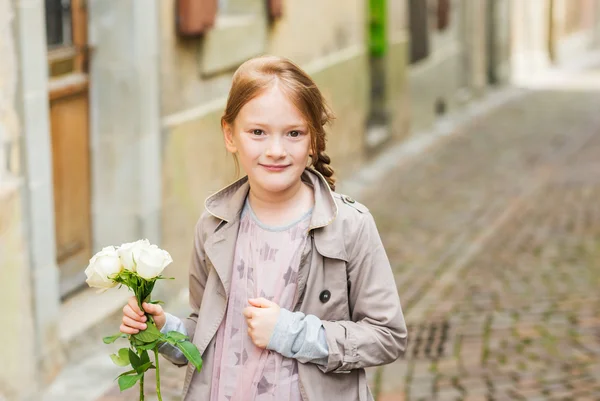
(58,23)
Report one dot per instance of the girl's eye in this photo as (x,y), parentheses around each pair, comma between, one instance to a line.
(257,132)
(294,134)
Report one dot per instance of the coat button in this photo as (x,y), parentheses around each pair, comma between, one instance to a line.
(349,199)
(325,296)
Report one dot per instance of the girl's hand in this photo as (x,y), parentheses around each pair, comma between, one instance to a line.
(134,319)
(261,317)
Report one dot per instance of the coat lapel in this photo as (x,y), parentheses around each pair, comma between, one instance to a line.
(220,249)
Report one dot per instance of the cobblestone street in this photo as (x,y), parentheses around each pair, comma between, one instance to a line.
(494,236)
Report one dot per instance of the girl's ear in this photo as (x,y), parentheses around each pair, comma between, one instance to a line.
(228,136)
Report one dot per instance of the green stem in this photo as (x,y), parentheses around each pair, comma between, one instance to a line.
(142,387)
(157,374)
(141,381)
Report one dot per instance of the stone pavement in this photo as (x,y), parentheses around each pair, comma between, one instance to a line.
(494,237)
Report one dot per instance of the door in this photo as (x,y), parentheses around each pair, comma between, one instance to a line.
(419,30)
(66,29)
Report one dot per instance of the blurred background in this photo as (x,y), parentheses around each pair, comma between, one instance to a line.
(471,128)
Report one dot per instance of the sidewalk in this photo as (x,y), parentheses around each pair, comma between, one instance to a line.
(496,242)
(492,225)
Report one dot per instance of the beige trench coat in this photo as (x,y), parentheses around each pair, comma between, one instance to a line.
(345,279)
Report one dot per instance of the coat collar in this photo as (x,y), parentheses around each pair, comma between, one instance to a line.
(227,203)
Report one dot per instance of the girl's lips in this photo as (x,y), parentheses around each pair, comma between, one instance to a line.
(274,167)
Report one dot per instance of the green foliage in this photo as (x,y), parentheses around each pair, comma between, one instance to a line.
(149,346)
(151,334)
(378,27)
(121,358)
(128,381)
(191,353)
(137,355)
(112,339)
(175,336)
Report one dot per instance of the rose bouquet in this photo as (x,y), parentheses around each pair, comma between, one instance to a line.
(138,265)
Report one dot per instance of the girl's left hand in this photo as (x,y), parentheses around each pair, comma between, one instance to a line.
(261,317)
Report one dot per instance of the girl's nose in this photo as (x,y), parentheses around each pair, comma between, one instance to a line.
(276,148)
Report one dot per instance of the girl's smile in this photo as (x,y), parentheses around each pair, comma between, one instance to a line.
(274,168)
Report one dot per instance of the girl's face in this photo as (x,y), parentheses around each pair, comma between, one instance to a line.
(271,139)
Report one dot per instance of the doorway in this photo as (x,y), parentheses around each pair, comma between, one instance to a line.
(68,95)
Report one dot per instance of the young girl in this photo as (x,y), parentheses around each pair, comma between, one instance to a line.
(291,290)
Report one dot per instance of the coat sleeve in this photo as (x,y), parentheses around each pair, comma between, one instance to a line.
(377,333)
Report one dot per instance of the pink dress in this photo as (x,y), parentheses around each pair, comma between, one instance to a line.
(266,265)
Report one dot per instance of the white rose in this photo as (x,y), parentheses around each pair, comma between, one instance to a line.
(152,261)
(102,268)
(130,253)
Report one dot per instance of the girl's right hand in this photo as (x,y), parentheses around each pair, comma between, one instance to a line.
(134,320)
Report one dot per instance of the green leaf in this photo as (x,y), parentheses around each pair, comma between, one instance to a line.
(112,339)
(177,336)
(144,357)
(129,381)
(149,346)
(191,353)
(149,335)
(121,358)
(127,373)
(134,359)
(145,367)
(157,302)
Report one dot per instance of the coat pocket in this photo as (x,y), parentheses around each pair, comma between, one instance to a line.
(332,297)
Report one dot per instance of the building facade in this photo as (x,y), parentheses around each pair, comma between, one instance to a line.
(110,131)
(549,32)
(110,122)
(459,48)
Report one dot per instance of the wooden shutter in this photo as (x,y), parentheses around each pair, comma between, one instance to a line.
(195,17)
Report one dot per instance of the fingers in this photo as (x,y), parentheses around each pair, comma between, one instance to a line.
(152,308)
(127,330)
(260,302)
(128,311)
(130,326)
(134,306)
(248,313)
(134,324)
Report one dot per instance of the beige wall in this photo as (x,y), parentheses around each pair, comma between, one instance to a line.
(529,37)
(574,22)
(312,29)
(397,94)
(397,68)
(573,25)
(398,17)
(325,38)
(17,319)
(438,77)
(18,352)
(9,124)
